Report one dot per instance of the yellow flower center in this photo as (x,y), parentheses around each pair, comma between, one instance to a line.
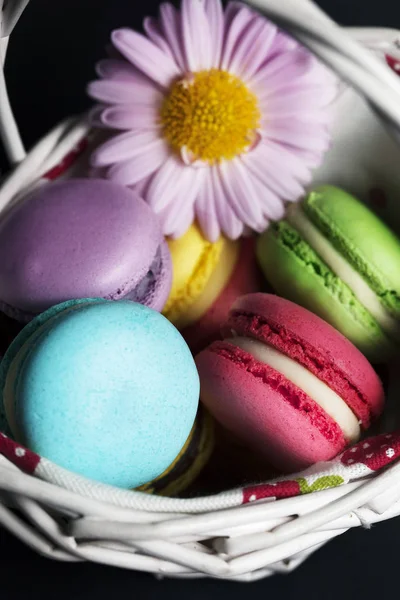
(212,115)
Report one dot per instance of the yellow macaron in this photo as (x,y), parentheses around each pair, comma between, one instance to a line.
(201,270)
(207,279)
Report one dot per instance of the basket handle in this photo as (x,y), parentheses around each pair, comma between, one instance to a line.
(9,133)
(335,47)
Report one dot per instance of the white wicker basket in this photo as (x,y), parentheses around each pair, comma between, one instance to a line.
(244,534)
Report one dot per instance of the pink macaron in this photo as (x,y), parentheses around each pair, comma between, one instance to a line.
(287,383)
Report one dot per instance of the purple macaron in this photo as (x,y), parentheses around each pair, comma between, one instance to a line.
(81,238)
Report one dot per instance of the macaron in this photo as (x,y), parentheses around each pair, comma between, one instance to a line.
(108,390)
(190,463)
(207,278)
(287,383)
(81,238)
(332,255)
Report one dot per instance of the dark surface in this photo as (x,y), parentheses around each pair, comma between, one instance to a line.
(51,58)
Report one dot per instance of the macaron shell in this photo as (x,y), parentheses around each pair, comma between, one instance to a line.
(73,239)
(302,335)
(159,295)
(361,237)
(30,329)
(19,341)
(193,260)
(303,282)
(191,461)
(261,406)
(246,279)
(143,383)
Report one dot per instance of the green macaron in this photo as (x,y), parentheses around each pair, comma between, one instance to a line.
(335,257)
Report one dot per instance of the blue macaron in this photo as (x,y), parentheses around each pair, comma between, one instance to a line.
(107,390)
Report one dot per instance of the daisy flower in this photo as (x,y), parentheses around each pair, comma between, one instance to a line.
(223,117)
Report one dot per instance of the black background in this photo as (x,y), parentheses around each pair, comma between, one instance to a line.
(51,58)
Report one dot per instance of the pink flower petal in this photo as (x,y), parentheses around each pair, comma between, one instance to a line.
(319,118)
(123,146)
(125,117)
(252,48)
(274,167)
(153,31)
(205,209)
(281,85)
(296,102)
(284,43)
(179,214)
(313,99)
(146,56)
(170,215)
(95,116)
(215,16)
(281,154)
(231,226)
(186,218)
(237,186)
(196,36)
(271,205)
(142,186)
(293,89)
(230,13)
(282,67)
(170,25)
(130,172)
(166,184)
(304,74)
(190,159)
(123,92)
(121,70)
(299,135)
(239,21)
(259,51)
(310,159)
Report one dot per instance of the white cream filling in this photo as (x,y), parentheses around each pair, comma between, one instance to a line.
(316,389)
(339,265)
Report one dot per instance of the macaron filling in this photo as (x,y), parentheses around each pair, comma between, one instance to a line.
(245,324)
(349,225)
(146,286)
(316,389)
(297,218)
(262,374)
(290,240)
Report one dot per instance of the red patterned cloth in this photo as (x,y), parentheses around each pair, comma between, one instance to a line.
(361,460)
(24,459)
(67,161)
